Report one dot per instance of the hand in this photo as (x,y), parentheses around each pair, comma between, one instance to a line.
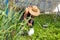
(24,18)
(29,24)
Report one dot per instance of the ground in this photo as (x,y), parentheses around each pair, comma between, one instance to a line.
(51,32)
(46,27)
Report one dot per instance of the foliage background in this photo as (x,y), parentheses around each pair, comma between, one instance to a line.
(10,26)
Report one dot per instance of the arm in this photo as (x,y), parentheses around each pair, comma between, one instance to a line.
(25,14)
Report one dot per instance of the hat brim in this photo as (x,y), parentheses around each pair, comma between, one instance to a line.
(34,13)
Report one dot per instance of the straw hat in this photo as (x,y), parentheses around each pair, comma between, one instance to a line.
(34,10)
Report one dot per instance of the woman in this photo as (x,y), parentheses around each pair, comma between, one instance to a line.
(30,11)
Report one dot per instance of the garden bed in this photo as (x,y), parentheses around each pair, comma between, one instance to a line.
(9,27)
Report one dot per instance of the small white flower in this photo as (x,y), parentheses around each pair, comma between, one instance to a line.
(31,31)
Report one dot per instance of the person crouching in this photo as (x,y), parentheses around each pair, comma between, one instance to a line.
(30,11)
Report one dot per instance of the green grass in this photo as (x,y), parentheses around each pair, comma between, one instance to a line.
(49,33)
(9,27)
(52,32)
